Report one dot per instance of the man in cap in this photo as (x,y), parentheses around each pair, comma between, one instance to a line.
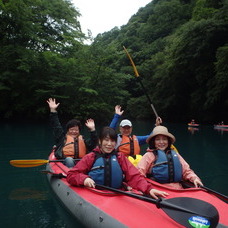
(126,142)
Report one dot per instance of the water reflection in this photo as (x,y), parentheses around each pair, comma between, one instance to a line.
(221,130)
(193,129)
(27,193)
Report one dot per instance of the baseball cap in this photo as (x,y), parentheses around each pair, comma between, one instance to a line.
(125,122)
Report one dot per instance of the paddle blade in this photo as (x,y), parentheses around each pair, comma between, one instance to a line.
(28,163)
(203,214)
(132,63)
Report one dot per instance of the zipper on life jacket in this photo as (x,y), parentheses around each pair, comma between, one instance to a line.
(170,166)
(131,146)
(76,149)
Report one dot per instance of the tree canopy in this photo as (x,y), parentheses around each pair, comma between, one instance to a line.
(180,48)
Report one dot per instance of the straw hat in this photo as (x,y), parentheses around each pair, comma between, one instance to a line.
(161,130)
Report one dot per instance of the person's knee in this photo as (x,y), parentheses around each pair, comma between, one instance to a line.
(69,162)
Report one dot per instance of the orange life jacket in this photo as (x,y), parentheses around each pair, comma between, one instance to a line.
(130,145)
(74,147)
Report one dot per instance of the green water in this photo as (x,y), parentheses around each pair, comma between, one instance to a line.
(27,201)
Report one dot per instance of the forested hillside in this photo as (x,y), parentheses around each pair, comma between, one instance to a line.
(180,49)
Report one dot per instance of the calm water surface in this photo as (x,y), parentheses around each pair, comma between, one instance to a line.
(27,201)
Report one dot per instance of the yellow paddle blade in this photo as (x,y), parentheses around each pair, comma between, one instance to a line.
(136,160)
(174,148)
(28,163)
(132,62)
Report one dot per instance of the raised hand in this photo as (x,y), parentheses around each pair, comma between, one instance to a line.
(90,124)
(118,110)
(52,104)
(158,121)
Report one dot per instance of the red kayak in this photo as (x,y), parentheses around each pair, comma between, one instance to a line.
(220,126)
(104,208)
(193,125)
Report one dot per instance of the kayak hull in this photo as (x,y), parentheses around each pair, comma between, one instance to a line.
(96,208)
(79,207)
(221,126)
(193,125)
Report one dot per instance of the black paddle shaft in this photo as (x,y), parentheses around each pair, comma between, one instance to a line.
(184,210)
(148,98)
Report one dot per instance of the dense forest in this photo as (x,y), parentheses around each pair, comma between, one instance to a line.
(180,49)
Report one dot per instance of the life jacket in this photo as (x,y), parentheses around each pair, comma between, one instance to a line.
(128,145)
(167,167)
(106,170)
(74,147)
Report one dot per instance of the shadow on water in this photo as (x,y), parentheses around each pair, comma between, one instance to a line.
(28,201)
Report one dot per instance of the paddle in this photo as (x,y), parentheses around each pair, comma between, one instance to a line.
(217,194)
(33,162)
(183,210)
(140,81)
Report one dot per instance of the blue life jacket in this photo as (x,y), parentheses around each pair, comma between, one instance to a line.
(107,171)
(167,168)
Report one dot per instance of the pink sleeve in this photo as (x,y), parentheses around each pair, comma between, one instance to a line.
(187,173)
(79,172)
(146,162)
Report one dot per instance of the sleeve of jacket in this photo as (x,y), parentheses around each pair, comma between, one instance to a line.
(142,139)
(133,176)
(79,172)
(114,121)
(92,142)
(56,127)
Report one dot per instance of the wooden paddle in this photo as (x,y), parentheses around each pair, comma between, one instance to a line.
(33,162)
(140,81)
(184,210)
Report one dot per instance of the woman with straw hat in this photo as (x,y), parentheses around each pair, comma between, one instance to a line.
(163,164)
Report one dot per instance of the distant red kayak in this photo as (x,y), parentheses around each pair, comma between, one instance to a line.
(220,126)
(193,125)
(103,208)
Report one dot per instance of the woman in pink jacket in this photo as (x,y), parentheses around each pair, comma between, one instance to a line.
(107,167)
(163,164)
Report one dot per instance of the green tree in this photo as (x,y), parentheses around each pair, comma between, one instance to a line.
(29,29)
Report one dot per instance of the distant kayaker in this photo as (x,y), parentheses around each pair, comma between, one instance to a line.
(105,166)
(70,144)
(126,142)
(163,164)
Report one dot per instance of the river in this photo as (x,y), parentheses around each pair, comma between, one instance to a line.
(27,201)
